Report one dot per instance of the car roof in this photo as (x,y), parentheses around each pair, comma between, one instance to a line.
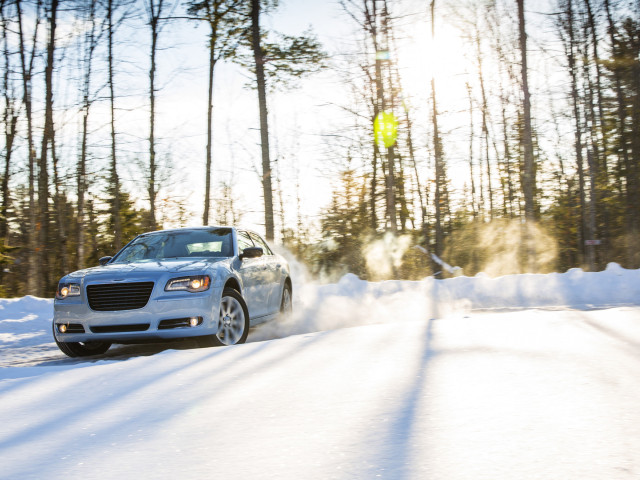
(204,227)
(184,229)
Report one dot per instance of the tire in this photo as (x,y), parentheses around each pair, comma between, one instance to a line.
(234,321)
(84,349)
(286,304)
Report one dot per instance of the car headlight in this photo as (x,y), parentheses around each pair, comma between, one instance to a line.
(194,283)
(67,290)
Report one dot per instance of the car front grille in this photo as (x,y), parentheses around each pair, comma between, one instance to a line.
(110,297)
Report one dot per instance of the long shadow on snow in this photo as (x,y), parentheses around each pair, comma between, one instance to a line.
(397,445)
(117,352)
(631,346)
(145,411)
(133,385)
(398,442)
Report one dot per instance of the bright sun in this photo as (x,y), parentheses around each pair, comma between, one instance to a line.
(420,57)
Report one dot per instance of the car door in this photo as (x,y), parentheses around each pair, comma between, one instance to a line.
(252,272)
(272,273)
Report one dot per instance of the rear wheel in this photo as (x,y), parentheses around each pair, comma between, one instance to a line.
(81,349)
(286,304)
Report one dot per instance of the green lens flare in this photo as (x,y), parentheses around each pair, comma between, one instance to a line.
(385,129)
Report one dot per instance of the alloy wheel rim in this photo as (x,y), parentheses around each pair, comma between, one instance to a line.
(232,321)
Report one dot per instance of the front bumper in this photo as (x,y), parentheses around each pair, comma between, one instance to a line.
(167,307)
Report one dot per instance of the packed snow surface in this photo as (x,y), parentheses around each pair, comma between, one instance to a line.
(522,376)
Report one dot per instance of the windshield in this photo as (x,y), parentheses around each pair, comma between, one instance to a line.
(216,242)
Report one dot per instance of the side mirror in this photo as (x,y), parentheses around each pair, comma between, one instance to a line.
(251,252)
(104,260)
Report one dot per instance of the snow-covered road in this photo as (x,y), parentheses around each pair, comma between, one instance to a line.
(530,393)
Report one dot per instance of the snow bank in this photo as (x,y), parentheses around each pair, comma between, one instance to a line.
(25,321)
(353,302)
(575,288)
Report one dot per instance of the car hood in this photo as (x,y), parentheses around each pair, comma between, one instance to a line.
(157,267)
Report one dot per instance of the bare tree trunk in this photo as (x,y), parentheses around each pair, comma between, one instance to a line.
(529,174)
(91,43)
(602,161)
(593,154)
(529,178)
(391,154)
(471,134)
(592,212)
(391,190)
(33,274)
(506,147)
(264,125)
(395,88)
(437,148)
(91,226)
(374,185)
(569,48)
(507,162)
(377,157)
(485,127)
(412,156)
(114,179)
(507,154)
(60,207)
(47,140)
(10,121)
(155,11)
(389,177)
(212,64)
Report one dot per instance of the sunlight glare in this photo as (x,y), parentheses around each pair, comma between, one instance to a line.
(420,57)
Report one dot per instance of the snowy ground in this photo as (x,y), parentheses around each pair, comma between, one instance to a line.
(523,377)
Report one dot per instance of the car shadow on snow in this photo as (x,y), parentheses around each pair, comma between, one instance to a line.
(48,355)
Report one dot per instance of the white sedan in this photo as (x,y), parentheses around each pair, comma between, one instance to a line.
(208,282)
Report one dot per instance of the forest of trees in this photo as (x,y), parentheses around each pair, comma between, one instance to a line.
(540,180)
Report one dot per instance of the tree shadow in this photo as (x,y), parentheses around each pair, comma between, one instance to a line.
(132,389)
(397,444)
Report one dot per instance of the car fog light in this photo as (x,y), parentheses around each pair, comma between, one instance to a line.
(62,328)
(193,321)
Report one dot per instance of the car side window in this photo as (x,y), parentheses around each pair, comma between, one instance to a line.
(261,243)
(244,241)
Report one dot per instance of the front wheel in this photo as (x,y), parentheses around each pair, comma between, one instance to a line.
(84,349)
(234,321)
